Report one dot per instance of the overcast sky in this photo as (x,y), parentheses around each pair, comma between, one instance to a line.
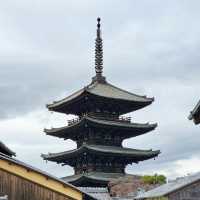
(150,48)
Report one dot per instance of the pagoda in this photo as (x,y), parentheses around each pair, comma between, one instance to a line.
(5,150)
(99,129)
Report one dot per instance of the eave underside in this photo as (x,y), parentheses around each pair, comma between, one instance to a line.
(102,96)
(93,179)
(130,155)
(5,150)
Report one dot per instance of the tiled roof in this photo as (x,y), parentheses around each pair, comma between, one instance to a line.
(111,91)
(4,149)
(101,176)
(195,113)
(137,155)
(104,90)
(134,128)
(170,187)
(100,193)
(92,178)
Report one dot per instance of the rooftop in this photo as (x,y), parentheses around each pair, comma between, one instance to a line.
(195,114)
(106,91)
(170,187)
(92,178)
(100,193)
(5,150)
(134,128)
(135,154)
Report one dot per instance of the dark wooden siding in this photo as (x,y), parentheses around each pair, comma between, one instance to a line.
(190,192)
(18,188)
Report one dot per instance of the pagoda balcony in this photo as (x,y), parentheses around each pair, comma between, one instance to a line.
(122,119)
(73,121)
(110,117)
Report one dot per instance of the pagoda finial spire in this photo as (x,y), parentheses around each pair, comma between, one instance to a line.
(98,51)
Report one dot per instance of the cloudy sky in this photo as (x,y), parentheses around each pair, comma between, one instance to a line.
(150,48)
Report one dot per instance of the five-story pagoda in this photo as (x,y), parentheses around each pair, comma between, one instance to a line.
(99,129)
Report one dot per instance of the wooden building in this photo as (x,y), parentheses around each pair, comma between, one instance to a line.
(20,181)
(99,129)
(185,188)
(195,114)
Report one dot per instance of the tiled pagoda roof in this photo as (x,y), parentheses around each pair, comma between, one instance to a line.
(130,129)
(195,114)
(5,150)
(92,177)
(101,193)
(130,154)
(106,91)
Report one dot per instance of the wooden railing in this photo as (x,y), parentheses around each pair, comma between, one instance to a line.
(73,121)
(101,116)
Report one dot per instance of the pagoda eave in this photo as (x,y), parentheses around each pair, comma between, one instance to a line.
(130,155)
(100,179)
(5,150)
(195,114)
(123,128)
(98,93)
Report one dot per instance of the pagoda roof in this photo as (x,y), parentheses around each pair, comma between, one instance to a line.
(101,90)
(134,155)
(91,178)
(129,129)
(195,114)
(5,150)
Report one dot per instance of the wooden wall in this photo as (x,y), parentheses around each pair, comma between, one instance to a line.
(18,188)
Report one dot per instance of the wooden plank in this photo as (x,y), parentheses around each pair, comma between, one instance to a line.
(18,188)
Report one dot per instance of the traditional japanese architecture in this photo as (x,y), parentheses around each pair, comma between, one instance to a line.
(5,150)
(99,128)
(20,181)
